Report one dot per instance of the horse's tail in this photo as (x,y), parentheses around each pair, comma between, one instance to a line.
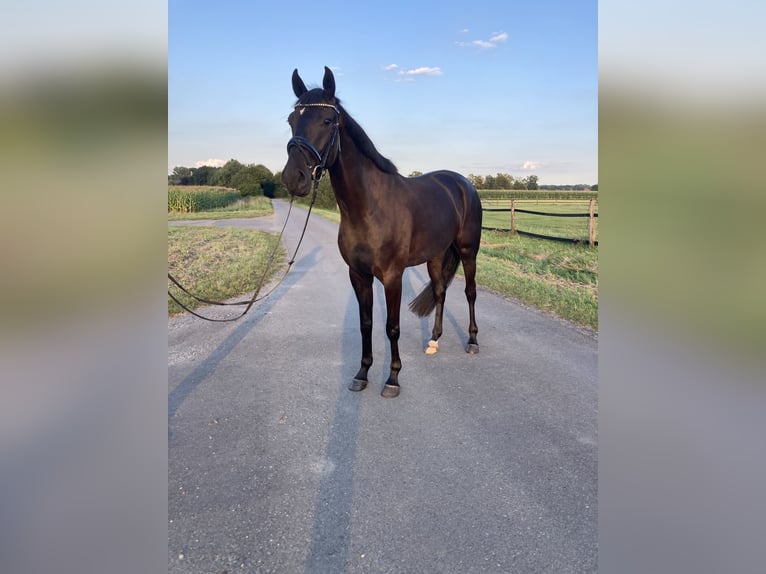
(425,302)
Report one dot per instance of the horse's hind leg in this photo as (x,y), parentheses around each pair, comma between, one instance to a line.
(469,269)
(437,284)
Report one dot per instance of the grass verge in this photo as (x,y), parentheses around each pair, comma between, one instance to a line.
(218,263)
(556,277)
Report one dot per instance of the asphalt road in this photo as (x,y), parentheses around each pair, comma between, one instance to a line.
(484,463)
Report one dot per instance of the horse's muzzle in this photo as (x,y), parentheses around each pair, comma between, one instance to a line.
(296,176)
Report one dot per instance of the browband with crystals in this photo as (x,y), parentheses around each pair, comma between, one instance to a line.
(337,111)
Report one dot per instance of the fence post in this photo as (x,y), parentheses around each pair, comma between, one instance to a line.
(513,217)
(591,224)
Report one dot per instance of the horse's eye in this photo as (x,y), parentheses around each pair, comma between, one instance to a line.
(327,122)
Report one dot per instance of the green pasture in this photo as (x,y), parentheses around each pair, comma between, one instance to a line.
(560,278)
(571,227)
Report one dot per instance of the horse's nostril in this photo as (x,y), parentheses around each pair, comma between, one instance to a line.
(299,180)
(296,181)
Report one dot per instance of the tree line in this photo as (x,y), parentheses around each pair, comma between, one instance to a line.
(507,181)
(503,181)
(257,179)
(248,179)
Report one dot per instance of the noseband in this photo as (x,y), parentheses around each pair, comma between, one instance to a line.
(304,145)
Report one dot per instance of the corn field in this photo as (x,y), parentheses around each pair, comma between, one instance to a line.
(190,199)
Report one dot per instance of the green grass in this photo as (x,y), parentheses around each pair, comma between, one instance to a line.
(571,227)
(556,277)
(218,263)
(559,278)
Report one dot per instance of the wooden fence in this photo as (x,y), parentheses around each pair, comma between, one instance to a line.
(591,215)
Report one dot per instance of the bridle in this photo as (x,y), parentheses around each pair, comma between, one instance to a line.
(304,145)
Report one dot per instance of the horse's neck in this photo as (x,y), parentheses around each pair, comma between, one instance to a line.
(354,178)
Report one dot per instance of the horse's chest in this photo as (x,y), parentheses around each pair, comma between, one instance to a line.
(366,251)
(357,254)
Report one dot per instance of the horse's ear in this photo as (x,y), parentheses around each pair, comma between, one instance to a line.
(298,86)
(328,84)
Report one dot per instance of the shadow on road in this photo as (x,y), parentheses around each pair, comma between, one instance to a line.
(187,386)
(332,516)
(331,531)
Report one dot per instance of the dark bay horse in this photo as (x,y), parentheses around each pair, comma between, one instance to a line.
(387,221)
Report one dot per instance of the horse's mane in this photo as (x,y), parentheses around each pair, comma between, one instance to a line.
(355,131)
(364,143)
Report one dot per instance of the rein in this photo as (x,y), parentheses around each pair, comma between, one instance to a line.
(254,299)
(317,171)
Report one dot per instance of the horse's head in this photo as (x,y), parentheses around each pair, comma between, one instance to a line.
(316,142)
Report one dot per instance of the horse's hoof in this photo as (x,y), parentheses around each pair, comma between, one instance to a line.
(472,348)
(433,347)
(357,385)
(390,392)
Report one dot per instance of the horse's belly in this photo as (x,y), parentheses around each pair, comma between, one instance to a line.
(422,249)
(398,251)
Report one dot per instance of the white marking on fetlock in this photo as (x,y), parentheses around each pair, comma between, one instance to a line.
(433,347)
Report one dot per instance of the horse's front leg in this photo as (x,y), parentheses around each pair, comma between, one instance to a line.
(362,285)
(393,289)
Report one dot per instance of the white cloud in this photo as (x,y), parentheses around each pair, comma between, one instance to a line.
(405,75)
(493,42)
(530,165)
(212,162)
(423,71)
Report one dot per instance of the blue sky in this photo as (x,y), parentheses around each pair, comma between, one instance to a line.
(477,87)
